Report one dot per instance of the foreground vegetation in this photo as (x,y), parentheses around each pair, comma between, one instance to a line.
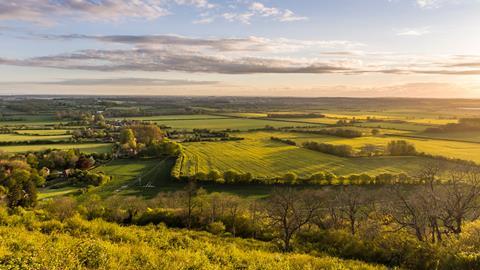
(29,240)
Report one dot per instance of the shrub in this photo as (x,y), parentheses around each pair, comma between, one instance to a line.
(216,227)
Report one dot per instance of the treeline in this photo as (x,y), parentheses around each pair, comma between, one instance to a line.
(35,141)
(285,141)
(464,124)
(393,148)
(337,132)
(295,115)
(341,150)
(206,135)
(290,178)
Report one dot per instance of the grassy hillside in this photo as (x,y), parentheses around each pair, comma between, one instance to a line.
(80,244)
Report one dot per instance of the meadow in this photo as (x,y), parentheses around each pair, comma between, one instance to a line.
(26,137)
(84,147)
(399,126)
(42,132)
(141,177)
(171,117)
(228,123)
(446,148)
(32,121)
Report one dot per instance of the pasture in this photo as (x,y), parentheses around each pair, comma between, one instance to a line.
(398,126)
(170,117)
(228,123)
(29,138)
(452,149)
(42,132)
(136,177)
(86,147)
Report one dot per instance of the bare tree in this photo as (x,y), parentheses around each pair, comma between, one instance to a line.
(351,201)
(233,206)
(189,201)
(407,210)
(460,197)
(289,210)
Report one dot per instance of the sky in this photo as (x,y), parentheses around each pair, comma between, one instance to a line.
(312,48)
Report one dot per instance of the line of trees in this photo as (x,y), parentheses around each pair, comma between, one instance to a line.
(393,148)
(341,150)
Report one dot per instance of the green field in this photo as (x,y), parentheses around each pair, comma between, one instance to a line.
(25,138)
(171,117)
(325,120)
(43,132)
(87,147)
(398,126)
(247,114)
(136,177)
(32,121)
(47,193)
(227,123)
(467,136)
(262,157)
(452,149)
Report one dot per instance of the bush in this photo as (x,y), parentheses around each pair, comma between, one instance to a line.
(216,227)
(400,148)
(341,150)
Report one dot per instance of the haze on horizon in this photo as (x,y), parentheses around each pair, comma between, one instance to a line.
(368,48)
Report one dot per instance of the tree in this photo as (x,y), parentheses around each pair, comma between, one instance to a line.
(289,210)
(230,176)
(351,201)
(85,162)
(290,177)
(189,201)
(369,150)
(401,148)
(127,138)
(214,175)
(147,133)
(233,205)
(21,189)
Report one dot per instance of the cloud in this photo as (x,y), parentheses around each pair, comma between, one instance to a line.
(469,64)
(414,31)
(45,10)
(244,44)
(162,60)
(432,4)
(247,55)
(196,3)
(120,82)
(428,3)
(257,9)
(49,11)
(53,11)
